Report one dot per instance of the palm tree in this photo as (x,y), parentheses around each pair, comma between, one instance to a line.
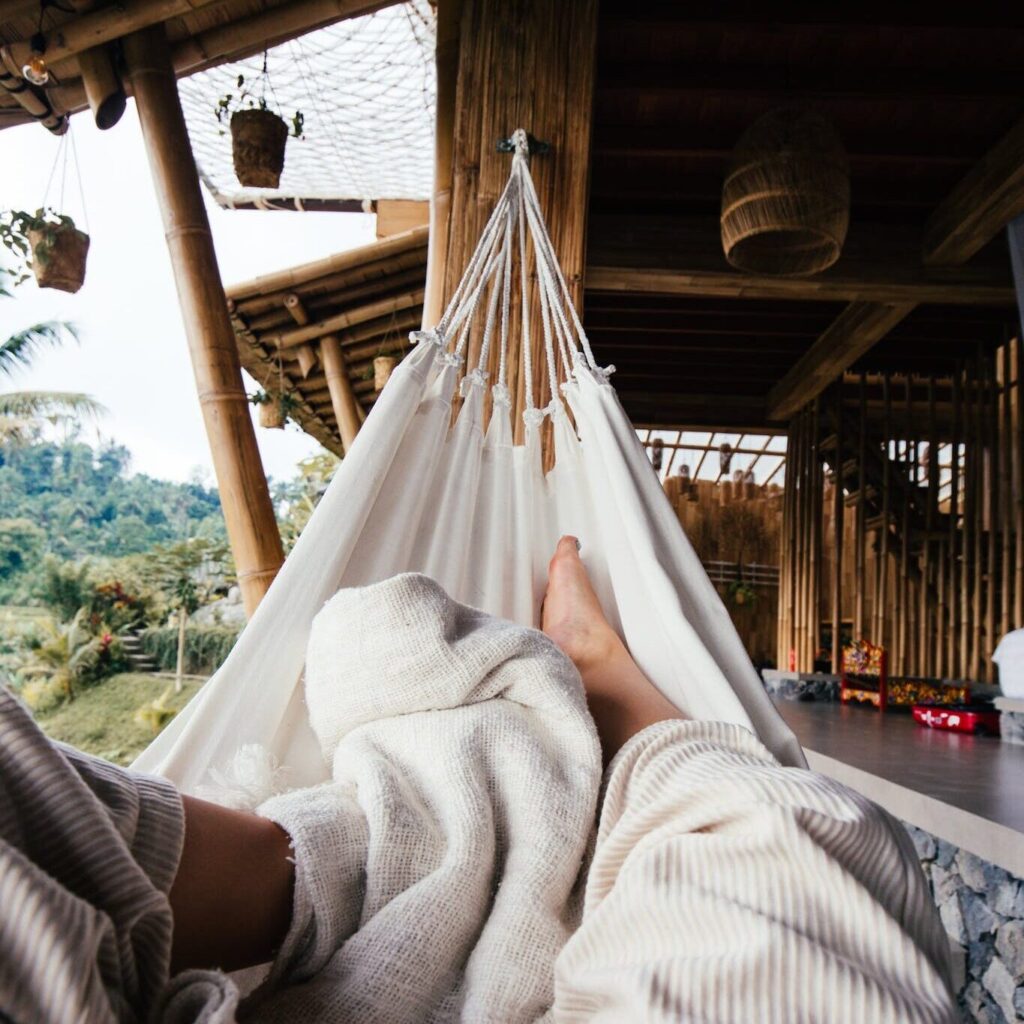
(23,412)
(66,651)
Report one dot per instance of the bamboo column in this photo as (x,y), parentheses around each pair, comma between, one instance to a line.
(446,58)
(523,64)
(838,515)
(343,399)
(245,499)
(860,541)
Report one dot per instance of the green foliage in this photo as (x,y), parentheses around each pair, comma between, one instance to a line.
(296,499)
(111,592)
(206,647)
(21,543)
(102,721)
(14,228)
(230,103)
(65,656)
(86,504)
(23,346)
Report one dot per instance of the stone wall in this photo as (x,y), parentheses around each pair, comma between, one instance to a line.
(982,910)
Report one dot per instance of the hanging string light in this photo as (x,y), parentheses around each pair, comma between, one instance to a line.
(35,69)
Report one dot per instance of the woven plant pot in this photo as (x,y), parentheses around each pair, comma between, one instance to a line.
(272,415)
(258,138)
(59,252)
(382,368)
(786,198)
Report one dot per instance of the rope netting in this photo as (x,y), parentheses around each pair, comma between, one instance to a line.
(366,90)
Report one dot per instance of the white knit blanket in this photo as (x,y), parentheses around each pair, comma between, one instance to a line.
(436,871)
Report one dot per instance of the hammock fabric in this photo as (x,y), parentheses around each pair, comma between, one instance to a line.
(464,505)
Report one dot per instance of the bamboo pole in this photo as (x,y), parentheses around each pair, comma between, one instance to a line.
(882,558)
(343,399)
(1017,433)
(978,601)
(967,548)
(955,537)
(817,497)
(992,492)
(104,90)
(245,498)
(333,324)
(903,605)
(929,619)
(1005,490)
(861,537)
(838,516)
(305,354)
(106,24)
(446,58)
(279,283)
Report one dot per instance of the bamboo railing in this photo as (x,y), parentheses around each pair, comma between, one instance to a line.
(903,519)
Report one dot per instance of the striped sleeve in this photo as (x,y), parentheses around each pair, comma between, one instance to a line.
(725,887)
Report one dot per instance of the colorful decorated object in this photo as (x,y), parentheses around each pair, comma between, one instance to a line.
(973,719)
(864,675)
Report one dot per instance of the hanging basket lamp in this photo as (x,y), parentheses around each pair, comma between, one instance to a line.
(258,139)
(786,198)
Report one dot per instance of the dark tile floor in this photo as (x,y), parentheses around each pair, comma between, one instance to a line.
(976,773)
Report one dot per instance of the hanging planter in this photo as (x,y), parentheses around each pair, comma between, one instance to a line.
(258,134)
(274,409)
(258,139)
(49,245)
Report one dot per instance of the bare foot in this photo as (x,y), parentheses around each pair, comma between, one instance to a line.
(571,614)
(621,698)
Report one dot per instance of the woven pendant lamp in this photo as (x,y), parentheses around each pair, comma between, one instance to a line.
(786,198)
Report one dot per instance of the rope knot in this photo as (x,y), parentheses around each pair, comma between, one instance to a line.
(450,359)
(474,379)
(500,395)
(431,336)
(534,417)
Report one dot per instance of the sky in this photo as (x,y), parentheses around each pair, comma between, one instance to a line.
(133,356)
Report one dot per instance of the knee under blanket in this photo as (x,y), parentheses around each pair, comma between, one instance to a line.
(435,873)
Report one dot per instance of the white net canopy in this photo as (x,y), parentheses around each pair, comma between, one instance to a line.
(366,90)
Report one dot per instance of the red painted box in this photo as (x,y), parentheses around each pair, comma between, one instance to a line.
(971,719)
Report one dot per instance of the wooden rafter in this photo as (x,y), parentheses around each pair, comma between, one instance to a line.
(849,336)
(991,194)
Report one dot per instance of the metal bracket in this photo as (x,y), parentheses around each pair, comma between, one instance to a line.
(536,147)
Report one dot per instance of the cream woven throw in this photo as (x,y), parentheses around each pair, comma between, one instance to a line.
(435,872)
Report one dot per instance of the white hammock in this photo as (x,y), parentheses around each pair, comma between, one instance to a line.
(480,516)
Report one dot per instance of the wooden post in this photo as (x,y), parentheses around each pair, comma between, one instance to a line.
(838,514)
(860,541)
(103,88)
(343,399)
(446,57)
(245,499)
(523,64)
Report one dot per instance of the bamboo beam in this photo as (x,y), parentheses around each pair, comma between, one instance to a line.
(106,24)
(242,485)
(853,332)
(343,399)
(886,282)
(103,87)
(360,315)
(292,279)
(991,195)
(305,354)
(239,39)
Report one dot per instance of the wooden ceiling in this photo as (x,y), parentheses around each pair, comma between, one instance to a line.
(202,33)
(918,99)
(369,298)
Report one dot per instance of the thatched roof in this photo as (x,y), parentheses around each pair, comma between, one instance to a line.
(370,298)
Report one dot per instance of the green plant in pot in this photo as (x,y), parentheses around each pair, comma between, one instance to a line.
(258,135)
(742,593)
(48,244)
(274,409)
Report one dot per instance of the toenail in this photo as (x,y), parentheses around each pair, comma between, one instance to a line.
(579,546)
